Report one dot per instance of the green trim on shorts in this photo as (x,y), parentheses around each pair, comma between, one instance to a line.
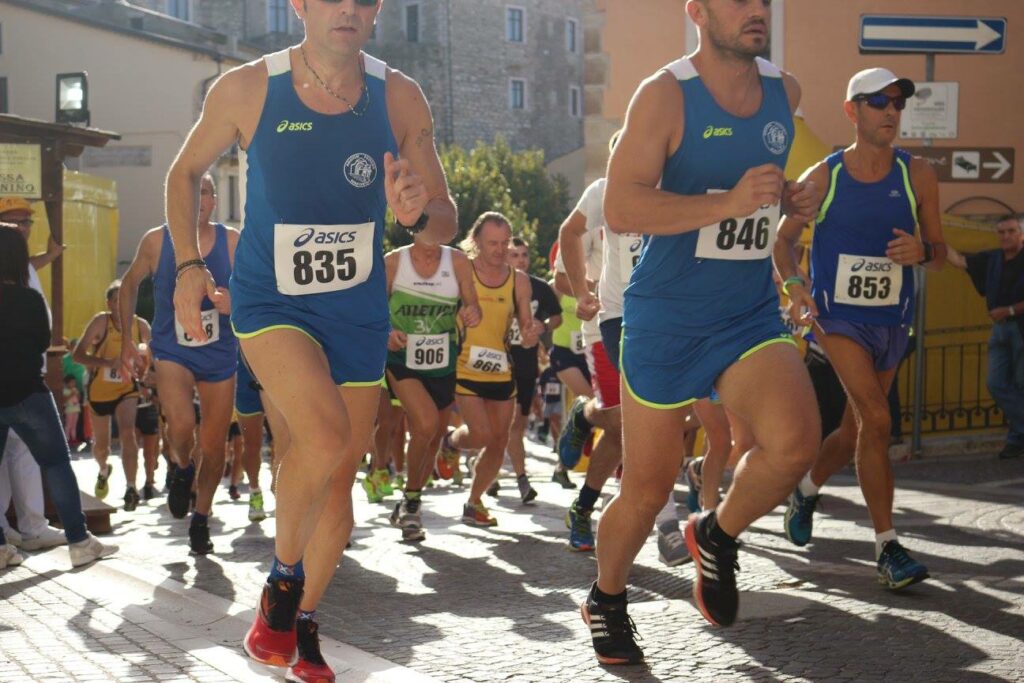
(636,397)
(250,335)
(258,412)
(784,339)
(356,385)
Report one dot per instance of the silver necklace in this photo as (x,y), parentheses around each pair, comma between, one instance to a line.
(363,89)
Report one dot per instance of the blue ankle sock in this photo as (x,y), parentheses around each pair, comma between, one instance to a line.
(280,570)
(199,519)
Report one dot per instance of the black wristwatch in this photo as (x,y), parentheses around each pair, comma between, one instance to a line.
(419,226)
(929,253)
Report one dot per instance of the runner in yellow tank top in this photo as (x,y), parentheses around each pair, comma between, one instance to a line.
(484,387)
(110,392)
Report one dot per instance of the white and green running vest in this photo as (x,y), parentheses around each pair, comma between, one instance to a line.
(425,309)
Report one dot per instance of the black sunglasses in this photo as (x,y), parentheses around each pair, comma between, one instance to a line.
(880,100)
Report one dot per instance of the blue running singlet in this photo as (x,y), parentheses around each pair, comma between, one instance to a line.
(706,280)
(853,278)
(211,361)
(699,301)
(311,254)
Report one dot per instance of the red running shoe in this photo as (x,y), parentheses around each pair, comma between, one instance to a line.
(311,666)
(271,638)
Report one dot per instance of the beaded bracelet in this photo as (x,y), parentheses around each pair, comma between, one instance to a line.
(188,265)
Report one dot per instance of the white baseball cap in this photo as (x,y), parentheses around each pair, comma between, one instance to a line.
(870,81)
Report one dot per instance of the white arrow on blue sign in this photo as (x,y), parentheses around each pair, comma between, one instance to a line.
(896,33)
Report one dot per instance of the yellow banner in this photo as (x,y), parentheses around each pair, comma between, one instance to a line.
(21,171)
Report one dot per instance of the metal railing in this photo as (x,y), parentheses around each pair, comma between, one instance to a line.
(954,394)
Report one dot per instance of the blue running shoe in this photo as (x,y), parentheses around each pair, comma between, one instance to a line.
(693,483)
(570,443)
(799,521)
(897,569)
(581,536)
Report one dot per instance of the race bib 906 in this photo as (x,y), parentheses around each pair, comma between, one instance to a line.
(868,281)
(749,238)
(315,259)
(210,320)
(426,351)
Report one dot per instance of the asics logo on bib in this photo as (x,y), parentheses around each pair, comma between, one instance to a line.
(294,127)
(431,341)
(324,237)
(872,267)
(775,137)
(714,132)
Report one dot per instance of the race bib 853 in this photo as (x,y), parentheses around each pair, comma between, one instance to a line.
(868,281)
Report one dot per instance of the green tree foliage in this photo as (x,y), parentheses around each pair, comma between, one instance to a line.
(495,178)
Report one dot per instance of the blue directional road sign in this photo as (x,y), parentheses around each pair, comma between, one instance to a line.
(895,33)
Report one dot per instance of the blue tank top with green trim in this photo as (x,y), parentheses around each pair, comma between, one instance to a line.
(852,278)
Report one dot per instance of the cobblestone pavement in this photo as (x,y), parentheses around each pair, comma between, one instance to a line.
(502,604)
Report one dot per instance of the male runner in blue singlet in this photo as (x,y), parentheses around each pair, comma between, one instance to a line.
(334,138)
(862,256)
(186,363)
(698,171)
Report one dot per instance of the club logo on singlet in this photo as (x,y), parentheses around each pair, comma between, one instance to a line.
(775,137)
(360,170)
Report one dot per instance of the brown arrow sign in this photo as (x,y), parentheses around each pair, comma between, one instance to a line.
(969,164)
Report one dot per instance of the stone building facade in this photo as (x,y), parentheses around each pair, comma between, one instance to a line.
(512,68)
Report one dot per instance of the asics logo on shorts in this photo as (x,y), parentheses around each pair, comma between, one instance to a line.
(324,237)
(872,267)
(294,127)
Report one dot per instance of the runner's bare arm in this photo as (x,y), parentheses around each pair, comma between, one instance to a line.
(413,125)
(792,227)
(92,335)
(925,182)
(470,310)
(570,250)
(147,257)
(218,128)
(801,198)
(573,260)
(653,132)
(145,331)
(529,327)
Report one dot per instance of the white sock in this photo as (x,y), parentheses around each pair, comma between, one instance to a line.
(883,538)
(808,487)
(668,514)
(254,489)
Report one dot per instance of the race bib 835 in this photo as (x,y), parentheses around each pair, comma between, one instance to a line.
(315,259)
